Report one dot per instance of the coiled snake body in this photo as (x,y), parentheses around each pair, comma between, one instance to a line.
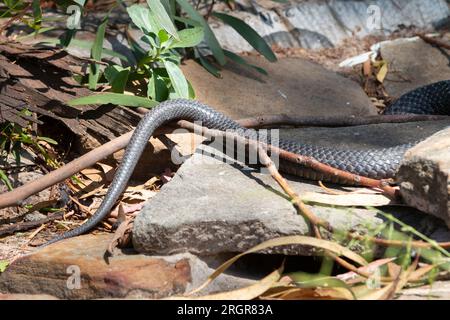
(374,163)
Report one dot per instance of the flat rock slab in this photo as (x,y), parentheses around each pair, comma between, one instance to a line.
(211,206)
(425,176)
(293,86)
(76,269)
(53,273)
(413,63)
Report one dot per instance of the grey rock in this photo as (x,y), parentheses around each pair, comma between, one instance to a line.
(321,24)
(439,290)
(212,207)
(425,176)
(412,63)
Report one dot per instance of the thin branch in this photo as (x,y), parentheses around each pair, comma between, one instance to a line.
(332,121)
(433,41)
(23,226)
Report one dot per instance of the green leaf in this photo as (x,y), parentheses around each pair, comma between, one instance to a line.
(35,33)
(191,90)
(114,98)
(177,78)
(86,44)
(47,139)
(238,59)
(96,54)
(210,38)
(159,13)
(163,36)
(3,265)
(249,34)
(209,67)
(117,77)
(189,22)
(189,38)
(5,180)
(157,88)
(141,17)
(37,14)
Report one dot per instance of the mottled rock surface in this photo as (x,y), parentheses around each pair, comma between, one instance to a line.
(425,176)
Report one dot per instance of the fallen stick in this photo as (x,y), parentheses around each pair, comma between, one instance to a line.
(313,164)
(23,226)
(333,121)
(433,41)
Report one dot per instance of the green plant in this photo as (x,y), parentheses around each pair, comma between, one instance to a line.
(172,31)
(13,138)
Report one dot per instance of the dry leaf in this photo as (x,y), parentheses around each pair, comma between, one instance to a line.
(283,241)
(348,199)
(251,292)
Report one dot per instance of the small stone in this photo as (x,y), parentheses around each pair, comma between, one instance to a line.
(424,176)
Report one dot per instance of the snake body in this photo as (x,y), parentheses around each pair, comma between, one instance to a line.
(374,163)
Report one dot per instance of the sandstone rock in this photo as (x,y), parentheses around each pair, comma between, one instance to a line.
(294,86)
(27,297)
(413,63)
(55,269)
(425,176)
(51,273)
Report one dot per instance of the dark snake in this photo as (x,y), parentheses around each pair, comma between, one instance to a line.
(374,163)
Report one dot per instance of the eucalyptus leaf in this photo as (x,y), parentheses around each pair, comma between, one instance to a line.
(249,34)
(96,54)
(177,78)
(210,38)
(157,88)
(3,265)
(189,38)
(114,98)
(117,77)
(159,14)
(238,59)
(142,19)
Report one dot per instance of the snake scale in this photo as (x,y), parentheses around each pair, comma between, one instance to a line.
(374,163)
